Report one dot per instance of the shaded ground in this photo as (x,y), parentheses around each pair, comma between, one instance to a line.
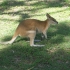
(20,56)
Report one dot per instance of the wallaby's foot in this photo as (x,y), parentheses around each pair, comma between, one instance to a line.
(37,45)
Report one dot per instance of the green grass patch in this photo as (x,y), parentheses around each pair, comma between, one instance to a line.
(55,55)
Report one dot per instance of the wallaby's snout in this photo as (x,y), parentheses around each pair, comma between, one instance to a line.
(56,22)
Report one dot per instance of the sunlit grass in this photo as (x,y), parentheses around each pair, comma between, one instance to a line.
(55,55)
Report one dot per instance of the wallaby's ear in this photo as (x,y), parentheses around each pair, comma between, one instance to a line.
(48,16)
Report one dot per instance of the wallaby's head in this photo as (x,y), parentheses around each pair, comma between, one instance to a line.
(51,19)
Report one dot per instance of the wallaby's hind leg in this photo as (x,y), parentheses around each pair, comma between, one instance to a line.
(32,37)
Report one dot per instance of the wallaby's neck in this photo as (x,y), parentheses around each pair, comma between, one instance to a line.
(47,22)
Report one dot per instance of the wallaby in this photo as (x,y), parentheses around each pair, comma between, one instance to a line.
(28,28)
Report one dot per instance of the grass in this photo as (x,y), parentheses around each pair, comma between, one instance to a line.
(55,55)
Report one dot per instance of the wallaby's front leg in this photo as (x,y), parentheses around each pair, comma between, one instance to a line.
(45,34)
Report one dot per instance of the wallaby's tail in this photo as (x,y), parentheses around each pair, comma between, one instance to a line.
(11,41)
